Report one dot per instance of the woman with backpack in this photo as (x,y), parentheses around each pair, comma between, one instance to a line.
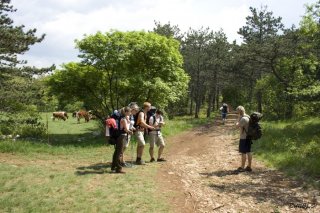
(130,122)
(123,131)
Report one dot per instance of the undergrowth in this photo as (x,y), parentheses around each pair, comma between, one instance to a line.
(292,146)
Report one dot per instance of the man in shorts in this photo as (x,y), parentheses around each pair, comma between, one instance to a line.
(155,136)
(244,143)
(140,125)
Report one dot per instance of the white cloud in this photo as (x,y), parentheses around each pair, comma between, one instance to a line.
(63,21)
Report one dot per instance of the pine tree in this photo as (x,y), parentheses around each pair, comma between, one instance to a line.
(17,89)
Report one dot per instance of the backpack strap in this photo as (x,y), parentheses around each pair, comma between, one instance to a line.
(244,129)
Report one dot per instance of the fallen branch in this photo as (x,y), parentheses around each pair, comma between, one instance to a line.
(218,207)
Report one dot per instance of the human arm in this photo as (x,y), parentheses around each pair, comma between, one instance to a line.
(125,126)
(143,124)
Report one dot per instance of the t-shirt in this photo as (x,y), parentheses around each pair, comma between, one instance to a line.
(244,123)
(131,119)
(155,123)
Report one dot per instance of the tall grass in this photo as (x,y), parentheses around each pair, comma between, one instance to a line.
(292,146)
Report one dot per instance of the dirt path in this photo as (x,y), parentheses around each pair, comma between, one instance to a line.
(200,176)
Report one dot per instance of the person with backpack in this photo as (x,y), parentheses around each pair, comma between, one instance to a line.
(224,109)
(140,125)
(155,136)
(134,109)
(121,135)
(244,143)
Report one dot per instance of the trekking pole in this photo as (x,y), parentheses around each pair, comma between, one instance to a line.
(132,149)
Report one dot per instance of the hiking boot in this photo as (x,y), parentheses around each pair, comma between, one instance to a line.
(248,169)
(152,160)
(161,159)
(141,162)
(240,169)
(124,164)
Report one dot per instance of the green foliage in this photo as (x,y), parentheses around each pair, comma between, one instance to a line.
(292,146)
(121,67)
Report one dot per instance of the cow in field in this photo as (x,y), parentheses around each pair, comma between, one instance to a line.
(59,115)
(83,114)
(74,114)
(65,114)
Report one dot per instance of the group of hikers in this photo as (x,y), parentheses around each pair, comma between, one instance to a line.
(134,121)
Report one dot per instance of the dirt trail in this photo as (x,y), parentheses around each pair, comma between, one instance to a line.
(200,176)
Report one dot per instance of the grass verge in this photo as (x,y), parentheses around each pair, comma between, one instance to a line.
(292,146)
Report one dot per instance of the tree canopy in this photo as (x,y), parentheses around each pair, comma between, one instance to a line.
(120,67)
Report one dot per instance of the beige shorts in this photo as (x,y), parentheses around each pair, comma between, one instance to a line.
(140,138)
(156,139)
(126,140)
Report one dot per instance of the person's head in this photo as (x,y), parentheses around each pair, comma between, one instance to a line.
(134,109)
(125,111)
(241,110)
(146,106)
(159,113)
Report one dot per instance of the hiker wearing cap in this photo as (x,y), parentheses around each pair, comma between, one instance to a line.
(244,143)
(140,125)
(155,136)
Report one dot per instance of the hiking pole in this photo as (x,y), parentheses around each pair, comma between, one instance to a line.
(132,149)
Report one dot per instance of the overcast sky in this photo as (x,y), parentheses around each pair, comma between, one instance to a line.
(63,21)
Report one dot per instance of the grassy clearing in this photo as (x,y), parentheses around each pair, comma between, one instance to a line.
(292,146)
(73,173)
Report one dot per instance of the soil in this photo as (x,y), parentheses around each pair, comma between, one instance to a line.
(200,176)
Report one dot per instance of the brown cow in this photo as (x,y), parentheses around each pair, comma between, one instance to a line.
(59,115)
(74,114)
(65,114)
(83,114)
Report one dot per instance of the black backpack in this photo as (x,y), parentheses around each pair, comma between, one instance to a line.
(255,129)
(135,118)
(225,109)
(115,133)
(150,114)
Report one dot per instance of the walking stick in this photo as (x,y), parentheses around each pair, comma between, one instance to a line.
(132,149)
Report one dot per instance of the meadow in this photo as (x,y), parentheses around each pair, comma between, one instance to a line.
(72,172)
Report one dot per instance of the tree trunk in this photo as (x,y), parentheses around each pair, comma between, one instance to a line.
(191,105)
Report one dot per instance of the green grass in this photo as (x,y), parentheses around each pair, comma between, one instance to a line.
(292,146)
(72,173)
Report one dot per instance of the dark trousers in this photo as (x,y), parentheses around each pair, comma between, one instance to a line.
(117,155)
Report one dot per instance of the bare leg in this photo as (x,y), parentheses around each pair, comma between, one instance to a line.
(140,151)
(160,151)
(243,160)
(249,158)
(151,152)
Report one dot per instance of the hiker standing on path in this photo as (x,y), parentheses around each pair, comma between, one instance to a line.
(140,124)
(134,109)
(155,136)
(225,109)
(117,155)
(244,143)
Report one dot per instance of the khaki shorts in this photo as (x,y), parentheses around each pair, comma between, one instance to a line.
(140,138)
(126,140)
(156,139)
